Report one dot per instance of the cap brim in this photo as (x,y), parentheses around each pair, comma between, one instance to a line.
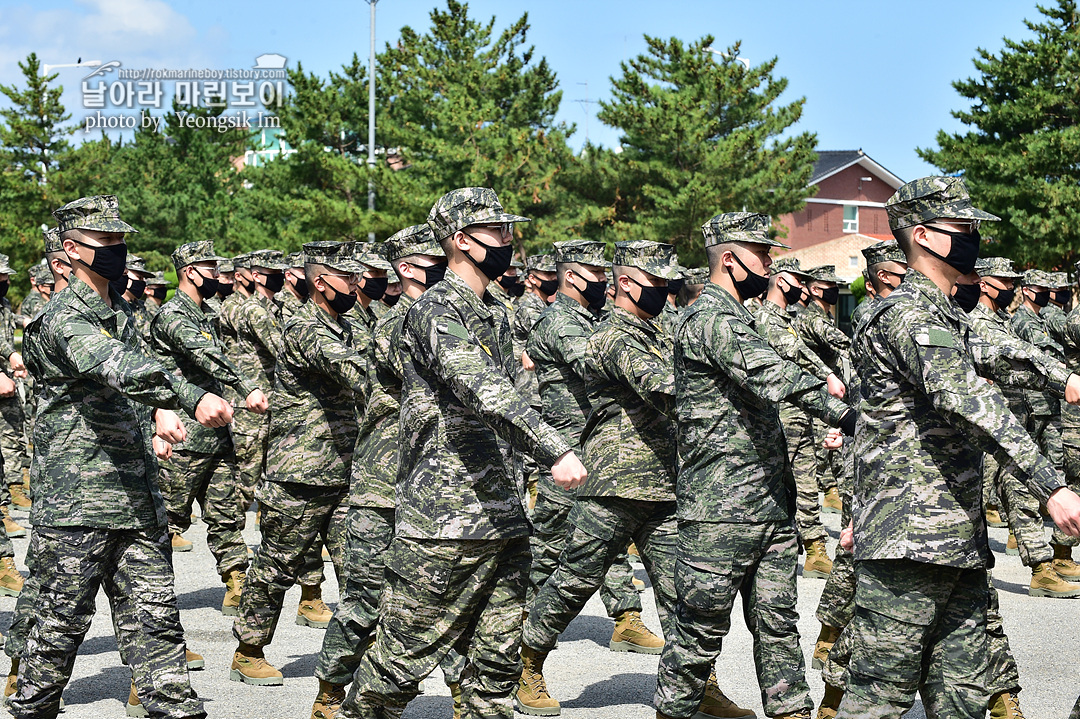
(376,263)
(351,267)
(7,271)
(143,273)
(269,265)
(970,213)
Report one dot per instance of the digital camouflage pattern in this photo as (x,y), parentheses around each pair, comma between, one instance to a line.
(817,329)
(526,314)
(582,252)
(929,198)
(100,213)
(740,227)
(466,206)
(887,251)
(414,240)
(996,267)
(33,302)
(191,252)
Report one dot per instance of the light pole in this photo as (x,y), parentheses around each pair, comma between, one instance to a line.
(371,121)
(714,51)
(45,73)
(89,63)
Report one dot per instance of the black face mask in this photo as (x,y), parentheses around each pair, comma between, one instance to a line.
(249,287)
(137,288)
(225,289)
(1063,297)
(390,300)
(276,282)
(159,293)
(548,287)
(375,287)
(966,296)
(507,282)
(433,274)
(792,294)
(340,302)
(594,294)
(110,262)
(4,288)
(119,285)
(674,286)
(1041,299)
(830,295)
(752,286)
(495,262)
(651,301)
(301,287)
(209,286)
(963,252)
(1004,298)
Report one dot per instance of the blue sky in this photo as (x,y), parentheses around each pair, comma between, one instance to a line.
(876,75)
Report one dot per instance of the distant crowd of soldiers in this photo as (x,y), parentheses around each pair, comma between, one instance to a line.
(479,446)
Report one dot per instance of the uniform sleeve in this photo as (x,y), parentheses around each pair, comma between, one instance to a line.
(646,374)
(442,342)
(1012,362)
(185,338)
(327,355)
(260,325)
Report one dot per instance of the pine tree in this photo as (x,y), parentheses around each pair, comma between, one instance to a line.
(1019,158)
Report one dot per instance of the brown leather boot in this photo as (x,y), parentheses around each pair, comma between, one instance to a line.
(19,500)
(715,704)
(135,707)
(993,518)
(825,640)
(234,587)
(250,667)
(13,528)
(532,696)
(1005,705)
(1011,547)
(455,693)
(1064,564)
(179,544)
(817,565)
(11,580)
(830,703)
(12,678)
(313,611)
(631,635)
(194,661)
(831,502)
(1046,582)
(328,701)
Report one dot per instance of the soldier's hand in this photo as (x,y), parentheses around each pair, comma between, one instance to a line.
(257,402)
(162,449)
(526,362)
(7,386)
(168,426)
(17,365)
(568,471)
(847,537)
(1064,508)
(213,411)
(834,439)
(835,386)
(1072,389)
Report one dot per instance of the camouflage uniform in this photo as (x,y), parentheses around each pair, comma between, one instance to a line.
(457,568)
(32,303)
(203,467)
(13,444)
(734,493)
(925,420)
(153,304)
(319,379)
(99,519)
(629,449)
(369,523)
(557,347)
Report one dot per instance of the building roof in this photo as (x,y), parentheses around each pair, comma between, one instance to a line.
(830,162)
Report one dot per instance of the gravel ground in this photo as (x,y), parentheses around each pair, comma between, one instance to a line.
(588,679)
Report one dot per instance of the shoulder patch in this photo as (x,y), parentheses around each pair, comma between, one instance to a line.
(935,337)
(456,329)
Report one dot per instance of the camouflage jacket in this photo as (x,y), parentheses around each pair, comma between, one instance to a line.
(93,462)
(226,322)
(526,314)
(290,303)
(499,294)
(258,334)
(994,329)
(728,381)
(183,338)
(1030,327)
(7,335)
(375,461)
(1053,318)
(669,319)
(319,385)
(860,312)
(775,325)
(143,317)
(824,338)
(462,422)
(926,417)
(32,304)
(629,440)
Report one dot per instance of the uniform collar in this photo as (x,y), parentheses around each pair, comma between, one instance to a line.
(86,295)
(921,284)
(479,305)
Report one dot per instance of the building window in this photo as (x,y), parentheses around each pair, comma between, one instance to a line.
(853,262)
(851,218)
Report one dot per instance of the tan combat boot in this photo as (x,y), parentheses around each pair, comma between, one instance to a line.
(830,703)
(993,518)
(328,701)
(11,581)
(194,661)
(1045,582)
(234,587)
(13,528)
(179,544)
(250,667)
(455,693)
(1011,547)
(1064,564)
(19,500)
(817,565)
(313,611)
(1005,705)
(12,679)
(825,640)
(135,707)
(631,635)
(638,585)
(831,503)
(633,553)
(800,714)
(532,696)
(715,704)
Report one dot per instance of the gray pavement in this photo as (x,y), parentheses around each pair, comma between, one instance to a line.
(589,680)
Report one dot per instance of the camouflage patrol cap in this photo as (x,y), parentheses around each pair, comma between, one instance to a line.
(1037,278)
(242,261)
(739,227)
(517,264)
(887,251)
(101,213)
(191,252)
(226,266)
(697,276)
(824,273)
(267,259)
(137,265)
(41,274)
(365,253)
(158,280)
(656,258)
(335,255)
(540,263)
(295,259)
(466,206)
(788,264)
(1060,279)
(582,252)
(414,240)
(53,243)
(930,198)
(996,267)
(5,266)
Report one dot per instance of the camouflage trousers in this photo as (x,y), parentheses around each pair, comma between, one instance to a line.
(13,444)
(830,469)
(799,433)
(443,595)
(368,531)
(25,609)
(134,567)
(716,562)
(602,527)
(1020,510)
(209,479)
(551,527)
(295,517)
(1070,440)
(249,431)
(837,603)
(917,628)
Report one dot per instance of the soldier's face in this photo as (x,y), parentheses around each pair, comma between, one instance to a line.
(755,257)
